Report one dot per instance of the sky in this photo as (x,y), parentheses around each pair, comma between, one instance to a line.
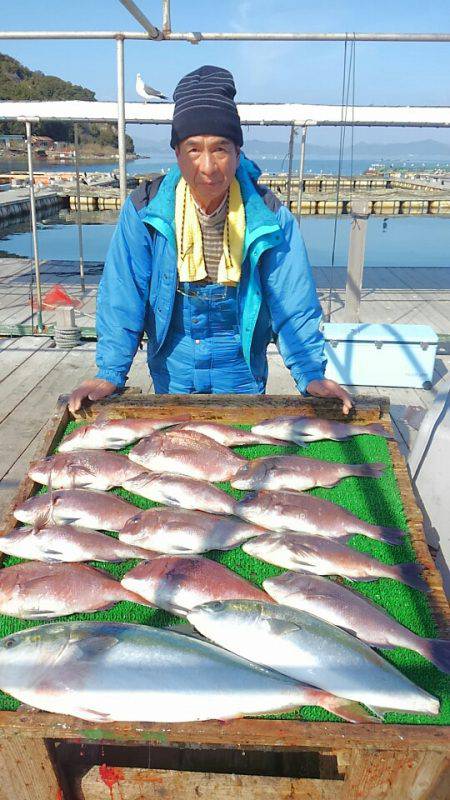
(309,72)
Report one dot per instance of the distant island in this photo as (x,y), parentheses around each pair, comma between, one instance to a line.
(53,139)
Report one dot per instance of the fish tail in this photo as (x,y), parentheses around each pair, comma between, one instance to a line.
(437,651)
(378,430)
(380,532)
(349,710)
(409,574)
(374,470)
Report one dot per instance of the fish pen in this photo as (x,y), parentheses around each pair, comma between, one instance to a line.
(303,753)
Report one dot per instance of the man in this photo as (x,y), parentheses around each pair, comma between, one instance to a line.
(210,265)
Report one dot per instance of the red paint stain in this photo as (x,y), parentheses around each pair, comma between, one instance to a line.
(111,776)
(59,794)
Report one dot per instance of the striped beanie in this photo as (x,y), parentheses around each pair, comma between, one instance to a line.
(204,106)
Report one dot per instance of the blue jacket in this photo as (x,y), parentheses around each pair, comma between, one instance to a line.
(276,295)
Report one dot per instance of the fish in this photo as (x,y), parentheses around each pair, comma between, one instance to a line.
(187,453)
(83,469)
(227,434)
(113,434)
(67,543)
(306,553)
(308,649)
(32,590)
(179,490)
(87,508)
(178,583)
(180,531)
(303,430)
(338,605)
(295,473)
(118,671)
(292,511)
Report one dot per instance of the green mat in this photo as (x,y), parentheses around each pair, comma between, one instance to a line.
(377,501)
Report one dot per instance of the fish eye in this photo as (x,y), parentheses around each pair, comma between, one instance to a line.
(10,643)
(215,606)
(136,518)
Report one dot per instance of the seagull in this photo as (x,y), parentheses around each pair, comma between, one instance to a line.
(147,92)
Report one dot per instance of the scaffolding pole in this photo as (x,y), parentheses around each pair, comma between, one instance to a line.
(167,27)
(140,17)
(37,272)
(301,171)
(197,36)
(291,154)
(121,121)
(79,225)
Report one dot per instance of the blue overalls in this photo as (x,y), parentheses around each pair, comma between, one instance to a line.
(202,352)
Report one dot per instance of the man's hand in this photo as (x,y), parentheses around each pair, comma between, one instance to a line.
(95,389)
(327,388)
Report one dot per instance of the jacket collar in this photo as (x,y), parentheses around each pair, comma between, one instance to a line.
(160,211)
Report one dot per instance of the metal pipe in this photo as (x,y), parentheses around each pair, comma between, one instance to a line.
(136,12)
(79,225)
(355,265)
(37,273)
(167,27)
(240,37)
(301,170)
(291,153)
(121,121)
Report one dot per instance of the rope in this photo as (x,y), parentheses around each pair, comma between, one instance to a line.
(344,112)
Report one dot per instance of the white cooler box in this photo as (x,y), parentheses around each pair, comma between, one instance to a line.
(380,355)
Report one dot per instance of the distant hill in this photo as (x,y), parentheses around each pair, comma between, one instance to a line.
(424,149)
(17,82)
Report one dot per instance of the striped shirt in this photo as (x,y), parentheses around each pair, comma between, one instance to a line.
(212,227)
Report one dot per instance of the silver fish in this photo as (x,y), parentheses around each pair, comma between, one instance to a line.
(303,430)
(82,507)
(112,671)
(292,511)
(113,434)
(227,434)
(179,531)
(84,469)
(67,543)
(308,649)
(33,590)
(356,614)
(179,490)
(295,473)
(187,453)
(305,553)
(178,583)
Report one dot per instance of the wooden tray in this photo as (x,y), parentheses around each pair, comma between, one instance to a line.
(47,756)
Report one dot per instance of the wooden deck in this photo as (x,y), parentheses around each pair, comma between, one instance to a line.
(33,373)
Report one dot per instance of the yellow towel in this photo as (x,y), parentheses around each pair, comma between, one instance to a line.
(191,264)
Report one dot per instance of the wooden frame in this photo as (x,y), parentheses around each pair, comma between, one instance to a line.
(369,761)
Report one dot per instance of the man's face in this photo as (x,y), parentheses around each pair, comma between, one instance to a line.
(208,165)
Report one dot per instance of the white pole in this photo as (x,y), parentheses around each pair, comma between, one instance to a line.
(80,229)
(121,121)
(355,266)
(40,326)
(291,153)
(301,170)
(166,17)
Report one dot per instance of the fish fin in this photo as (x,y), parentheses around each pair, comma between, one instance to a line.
(378,711)
(94,716)
(281,627)
(438,652)
(378,430)
(390,535)
(185,630)
(410,574)
(38,613)
(93,645)
(349,710)
(362,578)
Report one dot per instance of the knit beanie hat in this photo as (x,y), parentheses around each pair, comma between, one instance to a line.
(204,106)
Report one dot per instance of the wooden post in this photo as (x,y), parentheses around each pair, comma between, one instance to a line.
(355,266)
